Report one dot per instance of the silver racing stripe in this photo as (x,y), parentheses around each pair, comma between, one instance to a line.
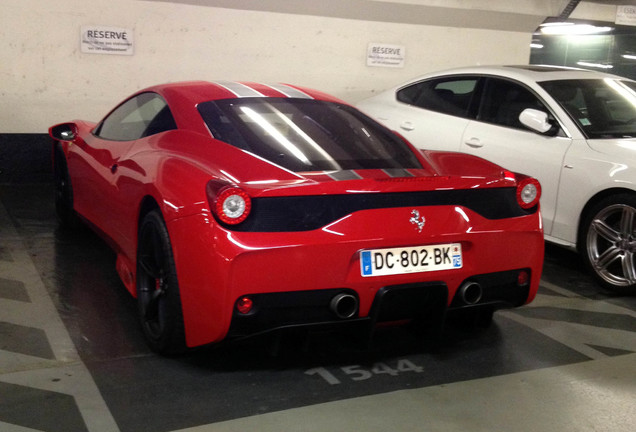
(240,90)
(289,91)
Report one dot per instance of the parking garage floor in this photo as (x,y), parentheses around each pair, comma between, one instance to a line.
(72,357)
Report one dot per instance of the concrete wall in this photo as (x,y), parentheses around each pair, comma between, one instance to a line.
(45,78)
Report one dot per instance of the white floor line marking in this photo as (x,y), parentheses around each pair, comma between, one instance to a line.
(578,336)
(557,289)
(67,373)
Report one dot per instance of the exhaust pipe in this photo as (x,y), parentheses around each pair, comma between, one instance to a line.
(470,292)
(344,305)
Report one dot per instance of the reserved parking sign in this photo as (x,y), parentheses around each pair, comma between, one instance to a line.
(106,40)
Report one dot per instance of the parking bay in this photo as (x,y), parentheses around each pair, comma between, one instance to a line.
(97,343)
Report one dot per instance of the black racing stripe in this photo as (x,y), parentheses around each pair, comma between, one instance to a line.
(343,175)
(397,172)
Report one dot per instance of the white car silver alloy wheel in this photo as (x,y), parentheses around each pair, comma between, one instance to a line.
(611,245)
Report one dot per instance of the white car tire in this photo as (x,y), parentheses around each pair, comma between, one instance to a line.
(607,242)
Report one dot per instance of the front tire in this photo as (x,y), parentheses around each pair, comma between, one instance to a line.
(63,190)
(158,298)
(607,242)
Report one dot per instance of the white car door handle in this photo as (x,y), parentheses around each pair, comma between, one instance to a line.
(474,142)
(407,125)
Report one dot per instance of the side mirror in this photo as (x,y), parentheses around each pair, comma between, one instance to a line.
(63,132)
(538,121)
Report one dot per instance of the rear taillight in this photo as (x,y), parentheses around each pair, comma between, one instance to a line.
(229,203)
(528,192)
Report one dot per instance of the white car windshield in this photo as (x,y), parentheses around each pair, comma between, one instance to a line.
(602,108)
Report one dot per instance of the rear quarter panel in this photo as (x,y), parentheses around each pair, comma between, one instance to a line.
(424,128)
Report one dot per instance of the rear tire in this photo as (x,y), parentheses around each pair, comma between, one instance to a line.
(158,297)
(607,242)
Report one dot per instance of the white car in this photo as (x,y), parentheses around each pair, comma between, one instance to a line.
(574,130)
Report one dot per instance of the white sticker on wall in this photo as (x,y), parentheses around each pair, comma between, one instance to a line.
(383,55)
(107,40)
(626,15)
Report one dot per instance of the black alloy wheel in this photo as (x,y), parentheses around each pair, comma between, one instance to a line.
(158,298)
(608,242)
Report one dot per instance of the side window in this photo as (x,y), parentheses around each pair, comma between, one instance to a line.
(449,96)
(143,115)
(504,100)
(602,108)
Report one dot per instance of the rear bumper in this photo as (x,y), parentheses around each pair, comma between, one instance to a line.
(292,277)
(425,303)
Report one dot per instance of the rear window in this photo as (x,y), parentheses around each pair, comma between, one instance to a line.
(305,135)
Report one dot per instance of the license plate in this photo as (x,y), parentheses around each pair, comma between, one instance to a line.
(392,261)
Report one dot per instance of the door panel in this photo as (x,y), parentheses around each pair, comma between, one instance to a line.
(499,136)
(93,165)
(524,152)
(430,130)
(95,162)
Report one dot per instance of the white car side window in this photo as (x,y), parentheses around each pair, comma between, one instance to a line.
(503,102)
(449,96)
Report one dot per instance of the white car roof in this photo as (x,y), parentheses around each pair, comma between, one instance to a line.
(527,73)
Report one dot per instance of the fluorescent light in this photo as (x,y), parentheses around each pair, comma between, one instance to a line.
(556,24)
(536,45)
(629,56)
(572,29)
(594,65)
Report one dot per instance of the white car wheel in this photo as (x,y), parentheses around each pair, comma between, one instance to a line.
(610,243)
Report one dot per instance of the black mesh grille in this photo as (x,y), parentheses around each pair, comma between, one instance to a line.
(305,213)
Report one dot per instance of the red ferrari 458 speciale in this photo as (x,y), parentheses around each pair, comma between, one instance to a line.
(240,208)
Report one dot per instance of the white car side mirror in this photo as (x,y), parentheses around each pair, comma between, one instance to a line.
(535,120)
